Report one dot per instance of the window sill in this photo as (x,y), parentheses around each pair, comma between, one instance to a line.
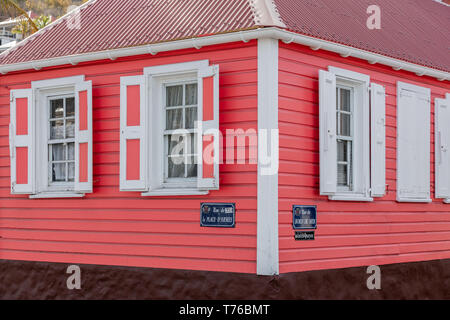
(414,200)
(350,197)
(50,195)
(175,192)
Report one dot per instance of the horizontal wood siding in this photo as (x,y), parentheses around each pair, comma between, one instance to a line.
(122,228)
(349,233)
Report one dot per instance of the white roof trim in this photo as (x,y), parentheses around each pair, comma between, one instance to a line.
(273,32)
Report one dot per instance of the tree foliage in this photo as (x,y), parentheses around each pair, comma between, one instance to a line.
(54,8)
(24,28)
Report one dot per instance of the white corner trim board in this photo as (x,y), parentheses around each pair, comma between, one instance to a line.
(245,36)
(267,261)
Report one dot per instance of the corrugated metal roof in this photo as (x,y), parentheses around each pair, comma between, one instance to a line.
(411,30)
(112,24)
(416,31)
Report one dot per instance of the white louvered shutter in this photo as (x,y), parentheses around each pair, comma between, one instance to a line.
(442,152)
(413,144)
(328,144)
(378,140)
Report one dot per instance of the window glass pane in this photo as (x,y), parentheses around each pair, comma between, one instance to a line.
(191,94)
(337,98)
(70,107)
(71,151)
(174,96)
(57,108)
(192,141)
(176,167)
(345,125)
(345,100)
(174,119)
(71,172)
(57,151)
(70,128)
(191,117)
(191,168)
(342,174)
(342,150)
(176,145)
(350,163)
(57,129)
(58,172)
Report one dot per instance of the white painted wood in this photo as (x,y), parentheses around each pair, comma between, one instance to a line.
(442,151)
(157,77)
(207,128)
(267,211)
(55,195)
(56,83)
(327,133)
(378,140)
(140,132)
(42,90)
(22,141)
(413,143)
(359,84)
(84,136)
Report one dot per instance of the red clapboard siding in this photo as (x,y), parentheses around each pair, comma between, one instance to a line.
(349,234)
(122,228)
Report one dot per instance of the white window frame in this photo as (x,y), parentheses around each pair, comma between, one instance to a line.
(43,90)
(347,139)
(177,182)
(156,78)
(360,127)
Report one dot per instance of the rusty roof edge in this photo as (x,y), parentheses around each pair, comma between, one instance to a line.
(244,35)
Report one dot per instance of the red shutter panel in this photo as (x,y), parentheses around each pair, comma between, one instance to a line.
(133,134)
(83,137)
(22,142)
(208,137)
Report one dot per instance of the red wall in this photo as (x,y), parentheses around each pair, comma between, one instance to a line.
(349,233)
(120,228)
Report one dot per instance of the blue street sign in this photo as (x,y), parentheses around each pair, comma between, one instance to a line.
(304,217)
(221,215)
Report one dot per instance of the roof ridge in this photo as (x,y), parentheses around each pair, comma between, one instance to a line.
(266,13)
(47,27)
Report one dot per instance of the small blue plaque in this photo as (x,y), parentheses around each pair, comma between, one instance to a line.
(304,217)
(219,215)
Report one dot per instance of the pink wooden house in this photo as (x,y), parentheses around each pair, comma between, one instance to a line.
(270,104)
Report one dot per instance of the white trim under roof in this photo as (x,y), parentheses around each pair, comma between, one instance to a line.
(245,36)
